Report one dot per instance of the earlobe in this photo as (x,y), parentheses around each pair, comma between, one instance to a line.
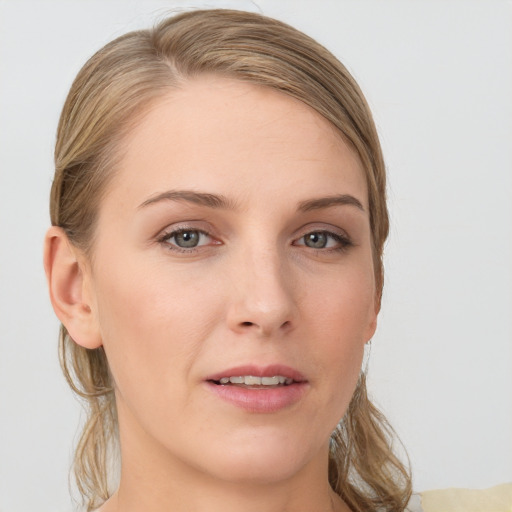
(372,324)
(372,327)
(66,282)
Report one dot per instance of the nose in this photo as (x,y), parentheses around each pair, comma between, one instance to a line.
(263,302)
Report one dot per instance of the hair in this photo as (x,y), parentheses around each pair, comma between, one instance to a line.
(109,95)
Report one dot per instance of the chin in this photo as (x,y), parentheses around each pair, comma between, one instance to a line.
(264,460)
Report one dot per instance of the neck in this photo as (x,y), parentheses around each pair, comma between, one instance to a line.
(210,495)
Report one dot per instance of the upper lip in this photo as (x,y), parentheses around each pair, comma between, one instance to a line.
(259,371)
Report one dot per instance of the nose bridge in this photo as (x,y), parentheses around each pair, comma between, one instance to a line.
(264,299)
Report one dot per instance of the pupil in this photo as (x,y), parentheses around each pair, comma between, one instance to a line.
(187,239)
(316,240)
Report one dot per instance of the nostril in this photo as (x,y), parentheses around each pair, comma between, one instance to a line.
(285,325)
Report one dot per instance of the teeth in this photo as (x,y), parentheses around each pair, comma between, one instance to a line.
(251,380)
(270,381)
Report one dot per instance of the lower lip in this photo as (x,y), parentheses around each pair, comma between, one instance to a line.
(260,400)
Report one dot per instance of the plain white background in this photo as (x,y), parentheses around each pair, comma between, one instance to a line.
(438,76)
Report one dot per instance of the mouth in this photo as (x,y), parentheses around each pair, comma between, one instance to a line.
(265,377)
(254,382)
(259,389)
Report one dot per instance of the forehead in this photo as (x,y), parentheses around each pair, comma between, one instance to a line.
(215,134)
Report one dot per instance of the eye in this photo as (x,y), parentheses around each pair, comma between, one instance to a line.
(186,238)
(316,240)
(324,240)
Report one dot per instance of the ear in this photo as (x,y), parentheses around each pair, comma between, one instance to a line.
(69,291)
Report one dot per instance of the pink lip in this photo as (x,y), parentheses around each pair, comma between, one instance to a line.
(259,400)
(260,371)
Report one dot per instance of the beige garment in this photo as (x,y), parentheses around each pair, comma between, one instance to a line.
(494,499)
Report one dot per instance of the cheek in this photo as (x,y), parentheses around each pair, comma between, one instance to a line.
(153,325)
(342,317)
(343,305)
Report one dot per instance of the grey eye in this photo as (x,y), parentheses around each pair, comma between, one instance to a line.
(187,239)
(316,240)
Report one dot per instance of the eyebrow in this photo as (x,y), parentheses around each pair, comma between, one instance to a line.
(190,196)
(222,202)
(327,202)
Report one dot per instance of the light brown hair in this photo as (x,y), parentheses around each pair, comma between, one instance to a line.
(110,93)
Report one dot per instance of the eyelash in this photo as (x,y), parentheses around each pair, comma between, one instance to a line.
(343,242)
(169,235)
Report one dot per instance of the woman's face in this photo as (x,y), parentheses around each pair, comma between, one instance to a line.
(232,253)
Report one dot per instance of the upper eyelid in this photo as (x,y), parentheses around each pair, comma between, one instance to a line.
(191,225)
(329,232)
(321,228)
(169,233)
(344,238)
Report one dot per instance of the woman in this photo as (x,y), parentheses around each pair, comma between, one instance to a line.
(219,216)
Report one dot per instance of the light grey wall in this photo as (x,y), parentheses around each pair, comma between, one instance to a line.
(438,76)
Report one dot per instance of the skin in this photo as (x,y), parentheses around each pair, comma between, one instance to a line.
(252,292)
